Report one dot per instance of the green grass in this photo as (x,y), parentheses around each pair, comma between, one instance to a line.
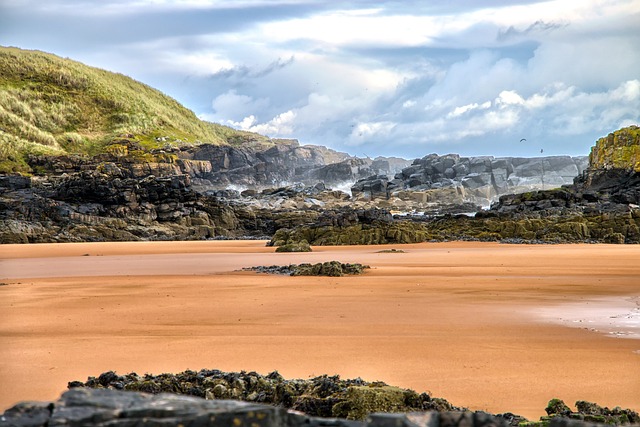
(52,105)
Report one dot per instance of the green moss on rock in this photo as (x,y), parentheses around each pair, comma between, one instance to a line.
(557,407)
(362,401)
(619,150)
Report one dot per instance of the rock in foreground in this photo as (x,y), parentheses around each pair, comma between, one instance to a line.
(323,396)
(114,408)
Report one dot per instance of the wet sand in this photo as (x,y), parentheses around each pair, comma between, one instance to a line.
(482,325)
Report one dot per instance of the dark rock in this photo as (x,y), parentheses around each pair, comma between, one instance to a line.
(512,419)
(329,268)
(302,246)
(412,419)
(27,414)
(14,182)
(456,419)
(98,404)
(329,395)
(483,419)
(557,407)
(483,178)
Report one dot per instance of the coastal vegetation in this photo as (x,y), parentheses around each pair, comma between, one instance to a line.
(52,105)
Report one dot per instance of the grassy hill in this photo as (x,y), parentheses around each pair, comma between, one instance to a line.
(52,105)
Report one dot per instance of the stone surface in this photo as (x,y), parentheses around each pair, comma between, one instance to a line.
(285,163)
(82,407)
(479,180)
(165,196)
(329,268)
(328,396)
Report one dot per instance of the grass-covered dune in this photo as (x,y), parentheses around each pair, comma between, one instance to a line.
(53,105)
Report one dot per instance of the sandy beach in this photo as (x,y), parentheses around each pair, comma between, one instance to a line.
(487,326)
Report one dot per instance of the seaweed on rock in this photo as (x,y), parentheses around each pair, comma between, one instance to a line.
(326,396)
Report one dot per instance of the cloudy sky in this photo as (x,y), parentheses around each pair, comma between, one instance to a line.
(372,78)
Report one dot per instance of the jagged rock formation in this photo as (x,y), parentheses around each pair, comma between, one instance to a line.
(611,183)
(164,400)
(255,166)
(614,168)
(452,179)
(324,396)
(353,227)
(88,407)
(95,206)
(591,412)
(601,206)
(130,194)
(618,150)
(328,268)
(287,162)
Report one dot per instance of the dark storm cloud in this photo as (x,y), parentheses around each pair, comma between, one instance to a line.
(537,27)
(95,24)
(246,72)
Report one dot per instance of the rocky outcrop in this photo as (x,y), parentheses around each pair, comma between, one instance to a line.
(614,168)
(618,150)
(116,196)
(354,227)
(95,206)
(591,412)
(527,227)
(86,407)
(323,396)
(287,162)
(215,398)
(454,179)
(328,268)
(256,166)
(602,205)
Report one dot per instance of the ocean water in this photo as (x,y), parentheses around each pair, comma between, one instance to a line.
(617,317)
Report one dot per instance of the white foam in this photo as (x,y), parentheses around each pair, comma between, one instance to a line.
(617,317)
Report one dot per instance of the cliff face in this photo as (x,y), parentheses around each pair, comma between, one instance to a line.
(255,166)
(283,164)
(479,180)
(618,150)
(614,168)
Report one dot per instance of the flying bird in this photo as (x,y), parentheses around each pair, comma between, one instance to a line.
(523,139)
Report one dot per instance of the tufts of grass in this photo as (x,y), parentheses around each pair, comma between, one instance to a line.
(54,105)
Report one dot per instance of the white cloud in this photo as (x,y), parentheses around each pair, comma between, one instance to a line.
(245,124)
(459,111)
(509,97)
(281,125)
(356,74)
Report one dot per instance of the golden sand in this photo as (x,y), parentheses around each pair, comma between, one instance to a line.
(454,319)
